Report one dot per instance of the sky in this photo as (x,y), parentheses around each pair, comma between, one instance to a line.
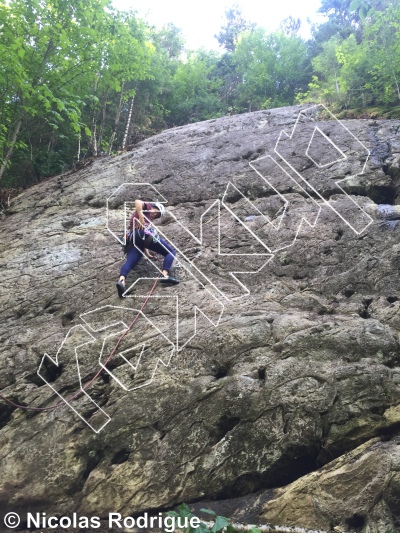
(202,19)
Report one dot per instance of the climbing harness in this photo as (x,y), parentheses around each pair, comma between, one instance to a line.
(149,234)
(151,231)
(64,402)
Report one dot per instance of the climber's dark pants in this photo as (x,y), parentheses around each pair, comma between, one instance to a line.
(136,252)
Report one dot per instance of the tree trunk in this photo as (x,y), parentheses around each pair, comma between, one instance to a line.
(396,82)
(94,121)
(128,124)
(79,147)
(101,128)
(387,46)
(116,122)
(337,83)
(94,139)
(12,145)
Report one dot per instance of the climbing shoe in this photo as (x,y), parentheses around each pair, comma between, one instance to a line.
(169,280)
(121,289)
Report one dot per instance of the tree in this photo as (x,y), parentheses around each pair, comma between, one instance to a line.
(169,39)
(383,36)
(44,47)
(328,66)
(150,108)
(338,10)
(273,68)
(194,90)
(290,26)
(360,74)
(126,59)
(226,72)
(235,24)
(367,8)
(61,62)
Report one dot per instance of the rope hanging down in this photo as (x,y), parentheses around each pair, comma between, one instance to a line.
(50,407)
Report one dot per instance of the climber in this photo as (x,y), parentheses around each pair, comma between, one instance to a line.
(143,237)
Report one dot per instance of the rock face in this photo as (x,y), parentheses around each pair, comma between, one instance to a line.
(226,384)
(359,490)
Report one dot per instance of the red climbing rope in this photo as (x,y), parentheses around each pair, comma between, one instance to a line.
(27,408)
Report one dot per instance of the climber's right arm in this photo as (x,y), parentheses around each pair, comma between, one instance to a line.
(139,210)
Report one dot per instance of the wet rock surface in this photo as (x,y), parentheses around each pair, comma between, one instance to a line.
(284,370)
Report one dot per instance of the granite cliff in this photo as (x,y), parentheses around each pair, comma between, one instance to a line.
(282,377)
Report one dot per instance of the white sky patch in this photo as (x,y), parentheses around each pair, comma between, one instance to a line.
(200,21)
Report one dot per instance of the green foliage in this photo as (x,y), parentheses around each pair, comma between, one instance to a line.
(383,44)
(153,95)
(235,25)
(169,40)
(58,58)
(219,522)
(290,25)
(352,73)
(341,23)
(194,90)
(40,48)
(185,512)
(272,67)
(367,8)
(82,79)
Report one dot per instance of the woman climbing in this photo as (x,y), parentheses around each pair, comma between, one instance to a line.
(143,237)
